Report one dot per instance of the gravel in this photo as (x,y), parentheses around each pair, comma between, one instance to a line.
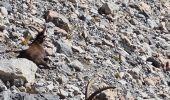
(124,43)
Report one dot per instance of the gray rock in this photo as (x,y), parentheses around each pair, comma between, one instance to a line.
(109,8)
(70,94)
(37,75)
(16,35)
(123,82)
(108,43)
(6,4)
(149,81)
(74,1)
(62,79)
(152,23)
(134,21)
(2,86)
(50,48)
(40,90)
(155,62)
(14,89)
(84,16)
(166,37)
(94,11)
(18,68)
(93,49)
(78,49)
(22,89)
(3,11)
(50,51)
(76,89)
(123,52)
(59,20)
(127,44)
(58,30)
(167,25)
(63,47)
(50,85)
(40,83)
(63,93)
(143,94)
(140,16)
(24,6)
(77,65)
(5,95)
(147,49)
(2,27)
(26,96)
(135,73)
(50,97)
(64,68)
(38,20)
(107,63)
(163,43)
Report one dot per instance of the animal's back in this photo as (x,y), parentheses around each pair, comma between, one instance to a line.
(35,51)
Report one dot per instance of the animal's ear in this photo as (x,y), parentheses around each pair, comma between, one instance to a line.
(41,35)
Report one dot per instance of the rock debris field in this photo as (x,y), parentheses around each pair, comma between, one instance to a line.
(121,43)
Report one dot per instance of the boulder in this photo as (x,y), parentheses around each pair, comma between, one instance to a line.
(19,68)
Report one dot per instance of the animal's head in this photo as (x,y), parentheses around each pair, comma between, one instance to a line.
(40,38)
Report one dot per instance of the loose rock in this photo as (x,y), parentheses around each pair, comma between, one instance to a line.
(77,65)
(109,8)
(59,20)
(18,69)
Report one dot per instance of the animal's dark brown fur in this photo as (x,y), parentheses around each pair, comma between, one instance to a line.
(36,52)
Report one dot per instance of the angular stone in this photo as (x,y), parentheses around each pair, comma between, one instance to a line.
(64,47)
(74,1)
(58,30)
(149,81)
(3,11)
(108,8)
(76,89)
(144,6)
(2,86)
(63,93)
(6,4)
(20,68)
(108,43)
(58,19)
(78,49)
(155,62)
(77,65)
(28,96)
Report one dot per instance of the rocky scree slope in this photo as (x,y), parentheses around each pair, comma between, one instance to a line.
(124,43)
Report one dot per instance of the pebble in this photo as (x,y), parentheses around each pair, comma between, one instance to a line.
(77,65)
(76,89)
(63,93)
(2,86)
(3,11)
(155,62)
(109,8)
(59,20)
(64,47)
